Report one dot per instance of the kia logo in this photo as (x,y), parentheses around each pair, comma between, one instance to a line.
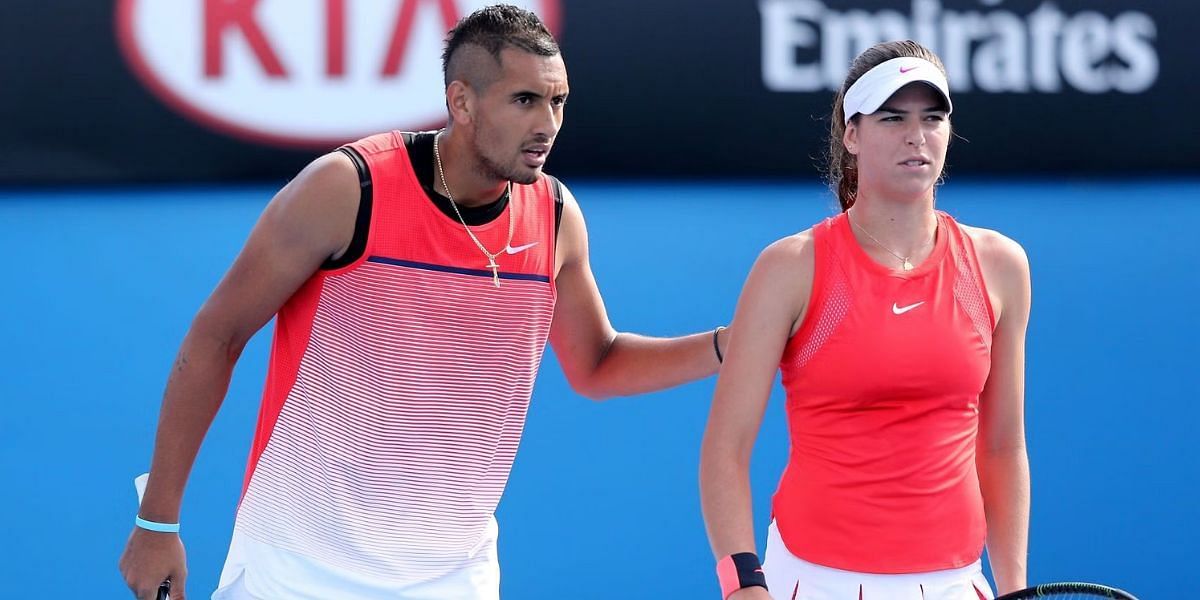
(306,73)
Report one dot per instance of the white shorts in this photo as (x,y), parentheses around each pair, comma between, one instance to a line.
(793,578)
(257,571)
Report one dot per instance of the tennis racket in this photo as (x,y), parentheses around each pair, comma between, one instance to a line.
(164,590)
(1069,591)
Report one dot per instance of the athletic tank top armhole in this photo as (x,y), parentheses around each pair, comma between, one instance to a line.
(828,301)
(822,257)
(556,186)
(362,221)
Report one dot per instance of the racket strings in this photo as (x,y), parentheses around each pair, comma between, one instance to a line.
(1069,591)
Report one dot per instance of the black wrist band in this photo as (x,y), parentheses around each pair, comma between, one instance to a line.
(717,343)
(740,571)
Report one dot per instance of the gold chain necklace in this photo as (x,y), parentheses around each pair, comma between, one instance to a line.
(491,256)
(906,265)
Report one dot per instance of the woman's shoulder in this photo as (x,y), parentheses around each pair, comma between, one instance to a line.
(997,250)
(782,277)
(788,251)
(786,266)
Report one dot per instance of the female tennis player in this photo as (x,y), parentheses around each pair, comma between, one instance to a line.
(900,336)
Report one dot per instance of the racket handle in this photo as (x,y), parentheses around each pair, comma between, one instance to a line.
(164,590)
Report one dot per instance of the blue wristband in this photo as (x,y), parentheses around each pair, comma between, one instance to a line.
(153,526)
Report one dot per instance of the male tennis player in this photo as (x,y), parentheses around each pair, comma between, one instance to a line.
(416,279)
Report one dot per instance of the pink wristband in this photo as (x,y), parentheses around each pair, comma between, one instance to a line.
(727,575)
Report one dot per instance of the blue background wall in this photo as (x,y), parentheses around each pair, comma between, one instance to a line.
(101,286)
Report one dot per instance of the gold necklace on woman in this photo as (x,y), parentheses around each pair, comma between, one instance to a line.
(905,264)
(491,256)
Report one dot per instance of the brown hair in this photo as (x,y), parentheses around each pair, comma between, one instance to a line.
(843,166)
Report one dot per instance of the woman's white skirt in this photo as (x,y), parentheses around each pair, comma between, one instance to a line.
(792,578)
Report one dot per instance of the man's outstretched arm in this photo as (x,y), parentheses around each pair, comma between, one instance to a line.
(599,361)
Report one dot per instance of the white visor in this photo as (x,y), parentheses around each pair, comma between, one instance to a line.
(877,85)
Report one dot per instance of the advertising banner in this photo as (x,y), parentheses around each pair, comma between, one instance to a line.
(222,90)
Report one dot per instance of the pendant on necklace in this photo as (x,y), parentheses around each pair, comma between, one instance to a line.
(495,270)
(907,265)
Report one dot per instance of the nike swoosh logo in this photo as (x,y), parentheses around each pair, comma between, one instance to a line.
(897,310)
(903,70)
(519,249)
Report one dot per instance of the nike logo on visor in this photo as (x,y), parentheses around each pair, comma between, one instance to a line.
(904,70)
(898,310)
(519,249)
